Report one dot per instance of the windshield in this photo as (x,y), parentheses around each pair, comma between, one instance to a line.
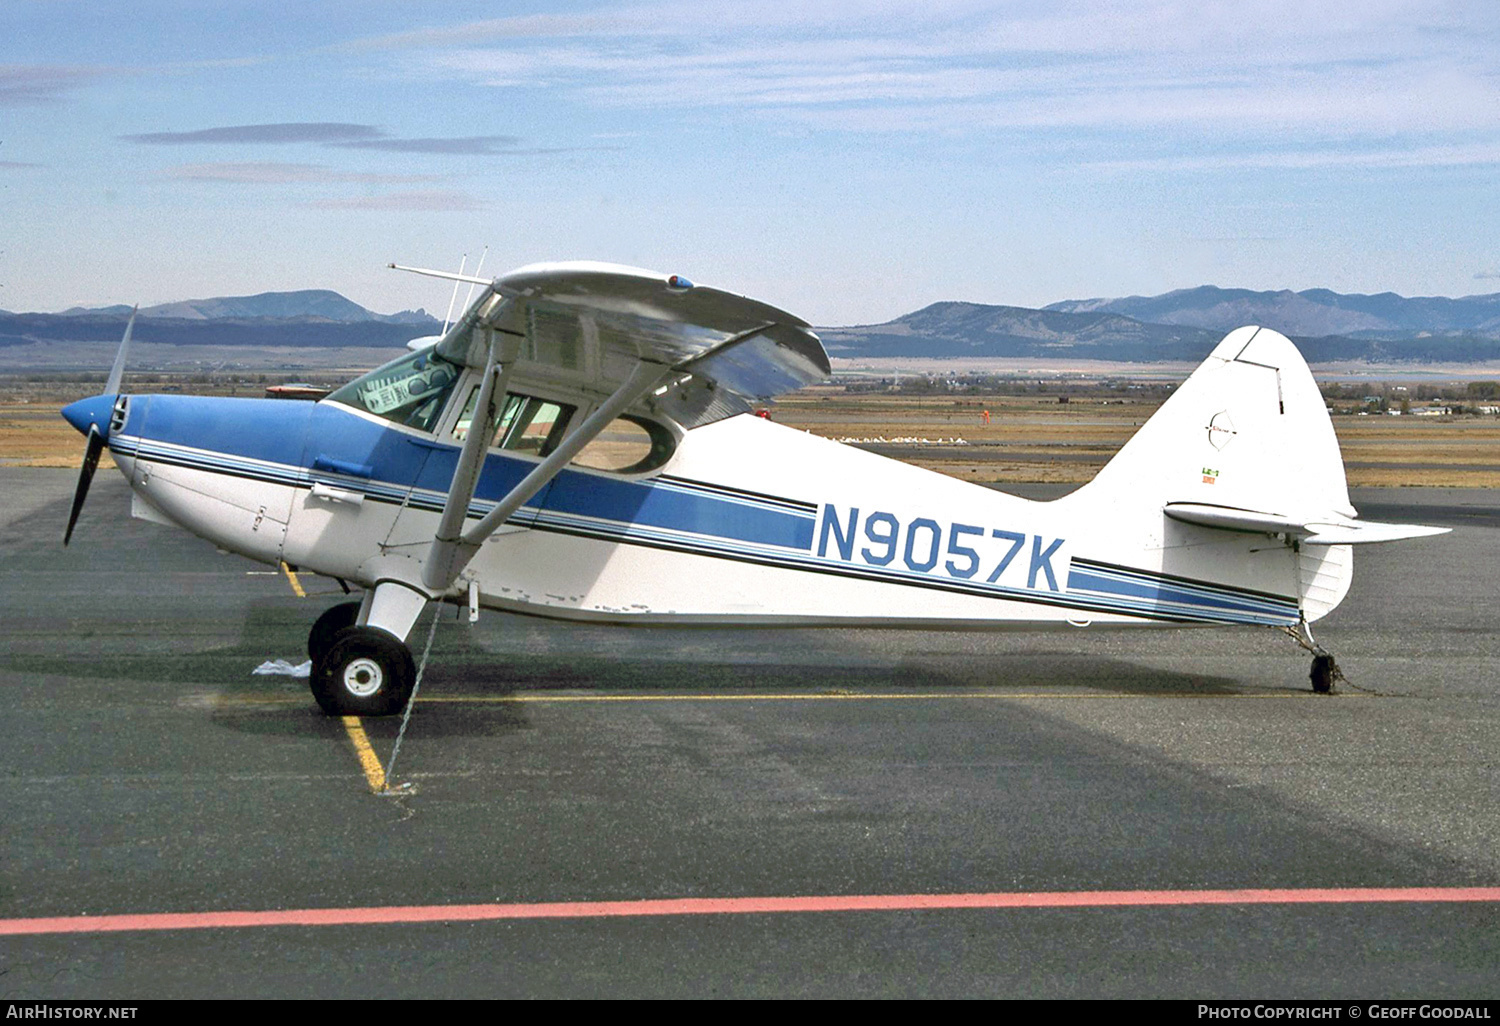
(410,391)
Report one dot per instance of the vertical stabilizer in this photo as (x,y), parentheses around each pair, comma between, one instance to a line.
(1247,431)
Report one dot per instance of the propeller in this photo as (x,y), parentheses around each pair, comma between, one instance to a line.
(91,412)
(85,477)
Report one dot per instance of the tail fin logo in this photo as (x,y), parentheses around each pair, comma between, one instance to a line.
(1221,430)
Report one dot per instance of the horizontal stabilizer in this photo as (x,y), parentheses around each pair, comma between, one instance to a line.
(1355,532)
(1331,529)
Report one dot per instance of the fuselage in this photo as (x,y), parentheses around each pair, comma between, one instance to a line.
(748,522)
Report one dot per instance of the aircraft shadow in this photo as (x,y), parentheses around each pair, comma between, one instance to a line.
(1052,670)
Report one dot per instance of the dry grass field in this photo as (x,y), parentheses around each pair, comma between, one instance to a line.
(34,435)
(1038,439)
(1028,439)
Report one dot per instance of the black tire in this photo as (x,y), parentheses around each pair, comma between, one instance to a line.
(1322,674)
(326,626)
(366,672)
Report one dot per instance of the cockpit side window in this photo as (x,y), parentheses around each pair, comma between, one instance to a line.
(524,423)
(530,424)
(411,390)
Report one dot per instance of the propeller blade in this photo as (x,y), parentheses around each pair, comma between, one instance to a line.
(85,476)
(112,387)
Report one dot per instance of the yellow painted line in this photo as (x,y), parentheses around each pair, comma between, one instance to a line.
(374,774)
(291,575)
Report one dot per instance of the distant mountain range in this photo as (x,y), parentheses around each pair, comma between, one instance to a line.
(1315,312)
(950,330)
(319,304)
(306,319)
(1186,324)
(1178,326)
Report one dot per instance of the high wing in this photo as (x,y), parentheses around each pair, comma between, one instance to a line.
(630,337)
(590,324)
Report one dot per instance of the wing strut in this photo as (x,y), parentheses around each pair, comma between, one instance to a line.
(450,554)
(439,570)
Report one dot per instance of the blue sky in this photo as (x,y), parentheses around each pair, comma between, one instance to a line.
(848,161)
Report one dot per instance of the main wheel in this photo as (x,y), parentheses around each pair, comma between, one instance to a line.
(365,672)
(1322,674)
(326,626)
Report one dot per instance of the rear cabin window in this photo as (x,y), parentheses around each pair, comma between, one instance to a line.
(630,445)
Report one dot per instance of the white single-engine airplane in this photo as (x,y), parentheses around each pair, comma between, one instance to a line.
(573,447)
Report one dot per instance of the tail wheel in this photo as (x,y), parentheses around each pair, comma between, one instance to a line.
(1322,674)
(326,626)
(365,672)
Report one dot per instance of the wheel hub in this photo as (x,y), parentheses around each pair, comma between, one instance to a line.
(363,677)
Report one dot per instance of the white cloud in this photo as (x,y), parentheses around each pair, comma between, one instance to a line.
(1479,154)
(1314,68)
(433,200)
(548,26)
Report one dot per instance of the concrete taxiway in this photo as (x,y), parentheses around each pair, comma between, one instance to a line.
(146,771)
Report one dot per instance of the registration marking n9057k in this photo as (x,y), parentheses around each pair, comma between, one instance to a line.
(929,546)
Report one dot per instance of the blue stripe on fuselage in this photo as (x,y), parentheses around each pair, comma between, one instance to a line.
(1143,588)
(635,502)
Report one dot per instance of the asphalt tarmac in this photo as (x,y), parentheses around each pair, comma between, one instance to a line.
(144,770)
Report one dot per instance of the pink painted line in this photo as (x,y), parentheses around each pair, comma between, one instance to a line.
(735,906)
